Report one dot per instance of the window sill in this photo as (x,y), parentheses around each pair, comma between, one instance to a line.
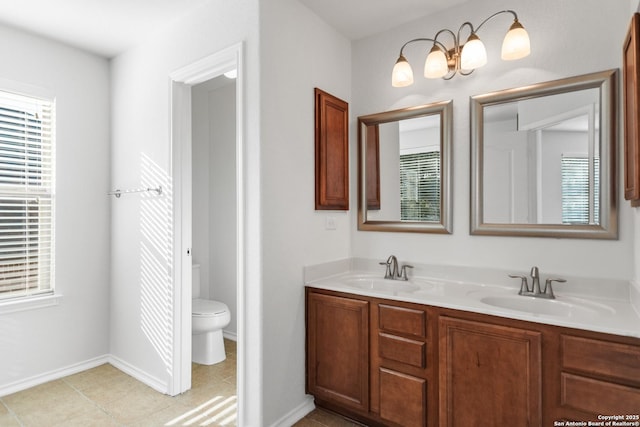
(29,303)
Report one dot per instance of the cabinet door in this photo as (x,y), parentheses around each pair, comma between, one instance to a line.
(332,152)
(338,350)
(631,92)
(490,375)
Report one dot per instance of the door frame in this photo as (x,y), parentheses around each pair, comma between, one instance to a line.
(181,82)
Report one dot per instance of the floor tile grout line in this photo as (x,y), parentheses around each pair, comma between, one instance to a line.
(11,412)
(96,404)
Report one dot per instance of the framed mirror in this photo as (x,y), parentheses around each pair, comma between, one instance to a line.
(404,169)
(543,159)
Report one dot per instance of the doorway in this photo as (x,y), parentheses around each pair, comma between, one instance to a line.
(182,82)
(214,216)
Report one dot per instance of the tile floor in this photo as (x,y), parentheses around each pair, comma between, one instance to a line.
(320,418)
(105,396)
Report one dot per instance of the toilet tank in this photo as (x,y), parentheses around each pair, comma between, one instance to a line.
(195,281)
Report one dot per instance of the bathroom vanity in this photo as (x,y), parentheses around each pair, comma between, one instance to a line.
(425,353)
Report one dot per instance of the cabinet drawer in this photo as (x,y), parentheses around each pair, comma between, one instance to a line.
(403,398)
(598,397)
(619,361)
(403,320)
(402,350)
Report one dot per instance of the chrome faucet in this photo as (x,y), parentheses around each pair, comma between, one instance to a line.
(392,267)
(535,280)
(535,290)
(392,272)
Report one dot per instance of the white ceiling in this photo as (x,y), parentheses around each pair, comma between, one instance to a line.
(108,27)
(357,19)
(105,27)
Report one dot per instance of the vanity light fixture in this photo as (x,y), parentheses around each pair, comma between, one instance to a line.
(461,58)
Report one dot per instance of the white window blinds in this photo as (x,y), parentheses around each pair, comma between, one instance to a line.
(420,186)
(26,195)
(576,206)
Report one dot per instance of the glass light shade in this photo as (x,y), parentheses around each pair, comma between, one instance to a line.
(474,54)
(402,74)
(436,65)
(516,43)
(231,74)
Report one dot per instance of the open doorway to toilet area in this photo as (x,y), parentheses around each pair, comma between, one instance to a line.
(206,105)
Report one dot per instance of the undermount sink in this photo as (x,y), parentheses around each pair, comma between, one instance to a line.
(383,285)
(568,307)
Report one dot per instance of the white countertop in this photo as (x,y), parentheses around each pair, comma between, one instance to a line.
(598,305)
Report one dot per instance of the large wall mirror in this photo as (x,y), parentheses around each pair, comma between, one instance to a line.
(543,159)
(404,169)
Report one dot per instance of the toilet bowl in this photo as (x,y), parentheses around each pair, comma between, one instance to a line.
(208,318)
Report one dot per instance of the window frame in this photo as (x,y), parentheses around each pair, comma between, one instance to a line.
(45,174)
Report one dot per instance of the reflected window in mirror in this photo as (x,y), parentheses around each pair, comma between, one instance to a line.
(577,205)
(404,169)
(543,159)
(420,169)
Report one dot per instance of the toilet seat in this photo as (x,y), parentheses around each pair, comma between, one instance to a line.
(206,308)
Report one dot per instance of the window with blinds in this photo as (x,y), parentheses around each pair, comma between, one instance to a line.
(576,189)
(26,196)
(420,186)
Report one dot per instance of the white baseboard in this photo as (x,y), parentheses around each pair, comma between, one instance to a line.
(125,367)
(56,374)
(297,413)
(230,335)
(140,375)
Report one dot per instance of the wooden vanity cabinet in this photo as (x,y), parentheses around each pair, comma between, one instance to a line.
(390,363)
(391,353)
(498,369)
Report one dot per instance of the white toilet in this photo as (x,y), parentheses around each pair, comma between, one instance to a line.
(208,318)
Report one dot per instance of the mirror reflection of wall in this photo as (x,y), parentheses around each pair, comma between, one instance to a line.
(409,170)
(541,160)
(388,172)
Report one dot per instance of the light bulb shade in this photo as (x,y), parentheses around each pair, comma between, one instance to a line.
(474,54)
(516,43)
(402,74)
(436,65)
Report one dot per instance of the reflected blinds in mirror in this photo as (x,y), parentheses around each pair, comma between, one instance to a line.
(420,186)
(577,205)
